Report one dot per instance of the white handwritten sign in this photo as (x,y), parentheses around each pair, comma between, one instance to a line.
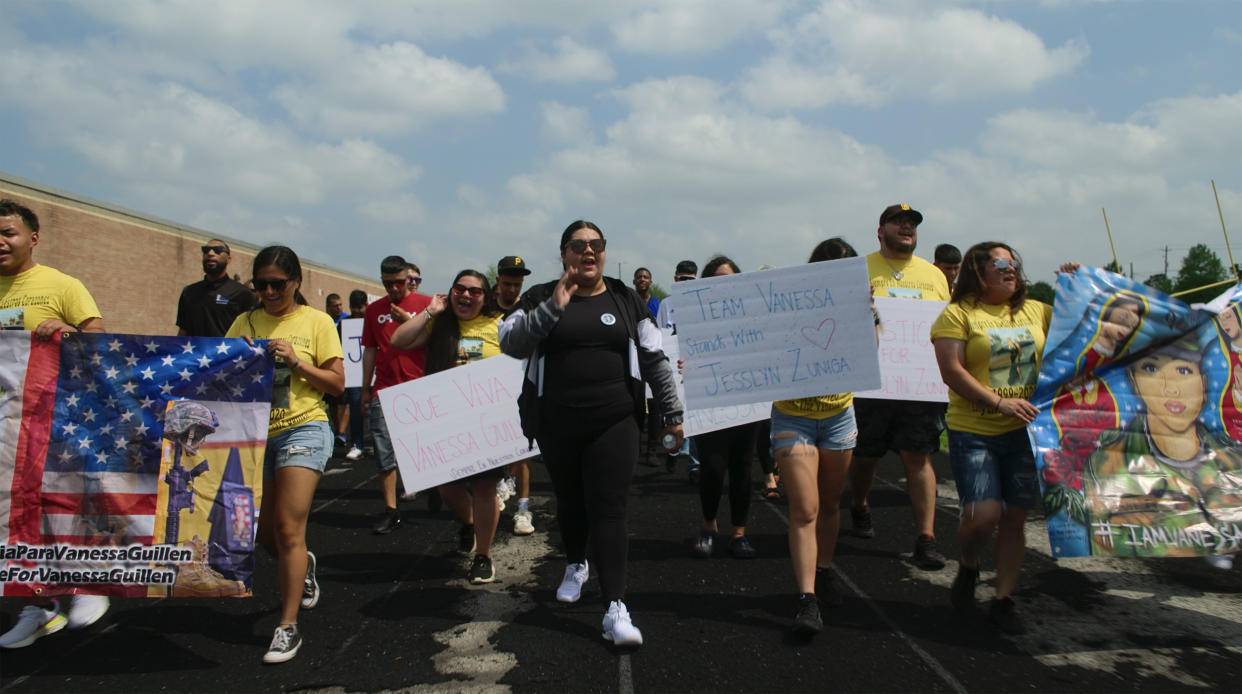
(795,332)
(697,422)
(351,344)
(908,369)
(455,423)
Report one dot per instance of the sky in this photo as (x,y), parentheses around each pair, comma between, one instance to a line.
(454,132)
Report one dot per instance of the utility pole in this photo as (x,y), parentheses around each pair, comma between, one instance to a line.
(1166,261)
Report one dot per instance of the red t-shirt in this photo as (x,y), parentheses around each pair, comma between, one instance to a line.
(392,365)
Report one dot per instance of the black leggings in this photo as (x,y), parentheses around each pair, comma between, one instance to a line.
(729,449)
(763,448)
(591,466)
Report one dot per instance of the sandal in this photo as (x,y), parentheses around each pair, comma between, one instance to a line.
(771,493)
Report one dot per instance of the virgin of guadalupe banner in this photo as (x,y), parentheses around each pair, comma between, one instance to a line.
(1137,438)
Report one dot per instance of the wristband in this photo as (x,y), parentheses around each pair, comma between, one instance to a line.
(296,361)
(998,402)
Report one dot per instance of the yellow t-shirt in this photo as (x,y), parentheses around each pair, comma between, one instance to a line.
(1002,353)
(313,336)
(35,295)
(480,338)
(819,407)
(919,278)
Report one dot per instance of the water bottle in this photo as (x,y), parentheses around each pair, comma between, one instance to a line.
(670,442)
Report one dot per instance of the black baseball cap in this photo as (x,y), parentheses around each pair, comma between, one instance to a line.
(511,265)
(900,210)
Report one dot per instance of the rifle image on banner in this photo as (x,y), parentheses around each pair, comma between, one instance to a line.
(186,424)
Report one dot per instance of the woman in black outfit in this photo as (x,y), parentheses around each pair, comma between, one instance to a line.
(725,450)
(583,399)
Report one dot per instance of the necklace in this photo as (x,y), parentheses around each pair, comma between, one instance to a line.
(897,275)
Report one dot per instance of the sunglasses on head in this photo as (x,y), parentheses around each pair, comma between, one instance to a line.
(260,285)
(1005,264)
(580,245)
(684,278)
(474,292)
(218,250)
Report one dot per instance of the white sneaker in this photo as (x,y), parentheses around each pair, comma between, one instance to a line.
(354,453)
(503,491)
(618,628)
(571,586)
(33,622)
(1224,562)
(522,524)
(85,610)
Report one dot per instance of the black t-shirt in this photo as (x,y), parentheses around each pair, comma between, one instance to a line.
(585,356)
(207,308)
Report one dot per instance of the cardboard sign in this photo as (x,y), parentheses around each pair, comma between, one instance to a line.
(702,421)
(453,424)
(351,345)
(795,332)
(908,369)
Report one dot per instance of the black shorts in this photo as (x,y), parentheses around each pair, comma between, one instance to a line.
(897,425)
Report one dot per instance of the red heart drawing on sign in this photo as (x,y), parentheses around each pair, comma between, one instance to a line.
(816,336)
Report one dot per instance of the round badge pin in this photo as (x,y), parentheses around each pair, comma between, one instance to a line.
(608,319)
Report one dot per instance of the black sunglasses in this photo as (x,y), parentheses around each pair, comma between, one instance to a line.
(580,245)
(475,292)
(260,285)
(416,280)
(395,283)
(218,250)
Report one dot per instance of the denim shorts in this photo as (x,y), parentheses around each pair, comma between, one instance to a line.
(994,468)
(835,433)
(307,445)
(385,456)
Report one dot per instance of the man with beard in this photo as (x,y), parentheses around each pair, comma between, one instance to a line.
(911,428)
(384,365)
(207,308)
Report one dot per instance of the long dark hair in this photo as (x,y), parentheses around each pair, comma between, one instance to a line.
(834,248)
(970,279)
(287,261)
(709,270)
(445,334)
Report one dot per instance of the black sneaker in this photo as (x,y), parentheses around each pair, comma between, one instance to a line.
(285,644)
(741,548)
(862,522)
(826,590)
(465,539)
(1005,617)
(670,462)
(926,555)
(693,477)
(962,594)
(310,586)
(481,570)
(387,522)
(807,622)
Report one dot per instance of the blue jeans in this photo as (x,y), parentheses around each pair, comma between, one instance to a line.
(994,468)
(353,398)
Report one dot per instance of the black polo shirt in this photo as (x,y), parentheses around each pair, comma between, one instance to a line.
(207,308)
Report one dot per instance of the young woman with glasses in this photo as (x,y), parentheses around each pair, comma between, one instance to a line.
(988,329)
(590,343)
(309,364)
(468,334)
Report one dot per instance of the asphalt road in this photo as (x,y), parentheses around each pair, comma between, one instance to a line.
(397,614)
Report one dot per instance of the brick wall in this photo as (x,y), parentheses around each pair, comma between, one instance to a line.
(136,266)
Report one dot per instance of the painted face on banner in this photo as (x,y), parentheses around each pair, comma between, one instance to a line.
(1229,323)
(1118,323)
(1172,391)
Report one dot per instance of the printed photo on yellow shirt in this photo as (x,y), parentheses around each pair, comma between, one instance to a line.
(1013,361)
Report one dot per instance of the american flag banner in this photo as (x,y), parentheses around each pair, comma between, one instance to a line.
(130,465)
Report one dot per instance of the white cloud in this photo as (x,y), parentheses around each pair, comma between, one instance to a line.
(694,26)
(565,124)
(568,62)
(865,55)
(389,89)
